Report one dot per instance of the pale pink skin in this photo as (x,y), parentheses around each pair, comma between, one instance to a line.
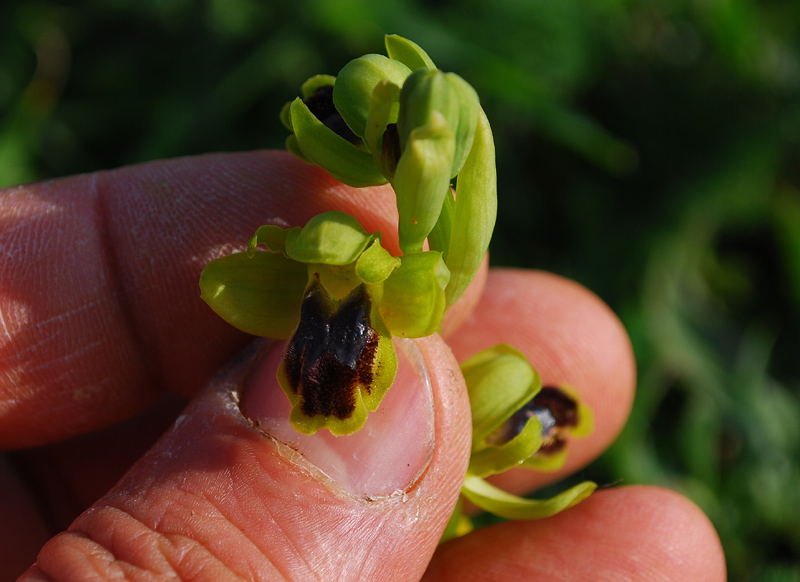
(100,322)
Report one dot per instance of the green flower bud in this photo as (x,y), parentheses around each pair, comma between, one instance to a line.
(428,91)
(357,80)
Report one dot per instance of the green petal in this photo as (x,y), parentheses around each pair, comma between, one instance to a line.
(499,381)
(422,181)
(498,458)
(375,264)
(355,83)
(413,295)
(510,506)
(474,213)
(260,295)
(316,82)
(331,238)
(269,235)
(336,155)
(407,52)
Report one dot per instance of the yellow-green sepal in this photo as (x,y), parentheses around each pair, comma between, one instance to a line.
(322,146)
(413,295)
(258,294)
(503,504)
(407,52)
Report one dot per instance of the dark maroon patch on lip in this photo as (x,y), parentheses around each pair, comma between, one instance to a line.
(332,352)
(555,410)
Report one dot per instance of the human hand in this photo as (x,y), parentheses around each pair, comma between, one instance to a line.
(100,317)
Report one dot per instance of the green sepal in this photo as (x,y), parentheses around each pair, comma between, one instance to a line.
(413,295)
(293,146)
(355,83)
(499,381)
(322,146)
(375,264)
(474,213)
(407,52)
(365,398)
(426,92)
(503,504)
(331,238)
(494,459)
(422,181)
(286,115)
(258,294)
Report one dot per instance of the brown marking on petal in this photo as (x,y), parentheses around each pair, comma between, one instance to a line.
(332,352)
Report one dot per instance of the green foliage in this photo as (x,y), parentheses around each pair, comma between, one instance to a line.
(648,149)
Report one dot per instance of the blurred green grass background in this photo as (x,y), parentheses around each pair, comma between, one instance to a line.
(649,149)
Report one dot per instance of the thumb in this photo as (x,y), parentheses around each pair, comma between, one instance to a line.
(231,491)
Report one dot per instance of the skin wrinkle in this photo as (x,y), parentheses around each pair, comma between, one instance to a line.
(123,299)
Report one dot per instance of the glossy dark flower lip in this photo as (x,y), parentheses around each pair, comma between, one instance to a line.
(556,411)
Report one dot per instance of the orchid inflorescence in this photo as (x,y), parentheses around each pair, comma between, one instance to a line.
(338,296)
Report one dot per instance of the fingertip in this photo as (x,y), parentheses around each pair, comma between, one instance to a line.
(630,533)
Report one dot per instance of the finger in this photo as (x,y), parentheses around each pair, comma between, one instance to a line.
(99,298)
(21,527)
(631,533)
(570,336)
(230,497)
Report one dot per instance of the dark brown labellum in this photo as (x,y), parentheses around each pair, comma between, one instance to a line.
(320,103)
(554,409)
(332,352)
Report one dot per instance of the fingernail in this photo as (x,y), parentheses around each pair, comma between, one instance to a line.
(387,455)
